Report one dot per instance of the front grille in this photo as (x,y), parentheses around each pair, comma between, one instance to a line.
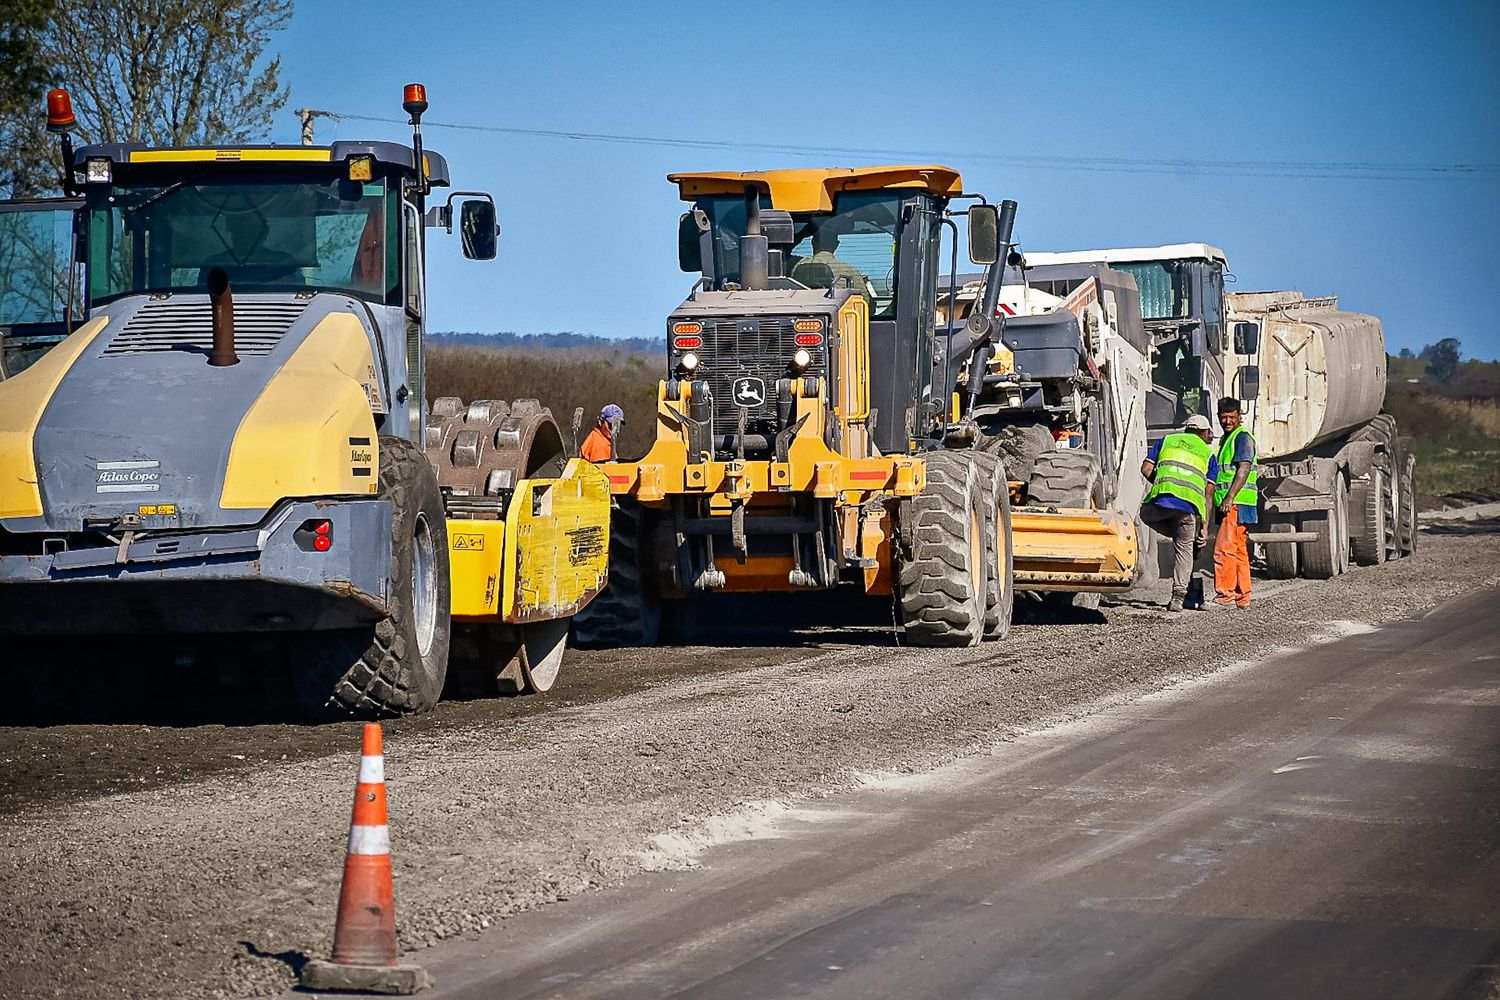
(186,324)
(735,349)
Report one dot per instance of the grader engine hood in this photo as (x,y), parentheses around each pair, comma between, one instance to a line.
(128,418)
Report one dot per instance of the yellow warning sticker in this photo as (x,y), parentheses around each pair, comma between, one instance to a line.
(146,510)
(467,543)
(157,510)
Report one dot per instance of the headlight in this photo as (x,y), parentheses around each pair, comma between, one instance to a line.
(689,361)
(98,170)
(801,359)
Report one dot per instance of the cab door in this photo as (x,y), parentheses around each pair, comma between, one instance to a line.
(41,296)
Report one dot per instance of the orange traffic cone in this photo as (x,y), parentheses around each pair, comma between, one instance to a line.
(364,934)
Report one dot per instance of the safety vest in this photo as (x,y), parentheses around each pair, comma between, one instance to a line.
(1249,494)
(1181,470)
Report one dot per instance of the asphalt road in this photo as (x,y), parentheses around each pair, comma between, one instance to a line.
(1322,824)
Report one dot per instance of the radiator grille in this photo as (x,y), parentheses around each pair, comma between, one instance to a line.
(187,325)
(734,349)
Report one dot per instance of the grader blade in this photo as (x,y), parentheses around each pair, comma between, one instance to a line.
(1074,549)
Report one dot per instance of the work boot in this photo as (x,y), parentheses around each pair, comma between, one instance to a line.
(1174,606)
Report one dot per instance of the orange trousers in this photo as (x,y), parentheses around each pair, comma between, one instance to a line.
(1232,560)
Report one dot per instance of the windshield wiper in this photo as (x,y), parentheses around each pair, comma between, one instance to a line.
(169,189)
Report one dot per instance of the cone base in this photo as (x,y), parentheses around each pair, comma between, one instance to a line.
(391,980)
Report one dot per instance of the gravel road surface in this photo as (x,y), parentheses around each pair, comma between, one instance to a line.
(1322,823)
(203,860)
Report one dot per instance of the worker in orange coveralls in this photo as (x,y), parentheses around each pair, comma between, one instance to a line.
(1236,497)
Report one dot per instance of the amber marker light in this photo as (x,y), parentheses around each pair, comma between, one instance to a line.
(60,117)
(414,99)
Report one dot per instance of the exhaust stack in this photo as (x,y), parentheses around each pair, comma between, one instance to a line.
(755,258)
(222,302)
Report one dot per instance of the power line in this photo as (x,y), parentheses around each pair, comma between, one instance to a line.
(1346,170)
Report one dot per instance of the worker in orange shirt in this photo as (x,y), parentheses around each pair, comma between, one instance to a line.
(599,446)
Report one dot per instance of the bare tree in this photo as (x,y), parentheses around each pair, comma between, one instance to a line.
(24,70)
(162,72)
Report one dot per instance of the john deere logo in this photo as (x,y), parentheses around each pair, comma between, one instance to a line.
(749,391)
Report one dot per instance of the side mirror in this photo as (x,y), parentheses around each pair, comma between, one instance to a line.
(478,229)
(1246,338)
(1250,382)
(689,249)
(984,234)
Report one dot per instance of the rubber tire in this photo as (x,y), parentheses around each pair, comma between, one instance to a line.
(1325,559)
(1017,446)
(627,611)
(1000,574)
(1281,560)
(940,580)
(1367,503)
(1406,533)
(1065,479)
(379,669)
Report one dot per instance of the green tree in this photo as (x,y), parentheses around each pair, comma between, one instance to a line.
(1442,358)
(162,72)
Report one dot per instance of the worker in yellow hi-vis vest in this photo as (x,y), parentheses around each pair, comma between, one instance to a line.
(1182,471)
(1236,499)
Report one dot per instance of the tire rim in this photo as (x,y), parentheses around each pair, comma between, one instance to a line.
(424,585)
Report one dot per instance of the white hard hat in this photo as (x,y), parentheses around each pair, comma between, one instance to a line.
(1198,422)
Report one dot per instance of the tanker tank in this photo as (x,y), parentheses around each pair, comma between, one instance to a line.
(1322,370)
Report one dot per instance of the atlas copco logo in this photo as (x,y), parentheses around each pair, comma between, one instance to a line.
(127,477)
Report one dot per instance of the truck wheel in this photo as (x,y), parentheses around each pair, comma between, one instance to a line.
(627,612)
(1406,532)
(1368,502)
(1017,447)
(940,579)
(1065,479)
(397,666)
(1281,558)
(999,558)
(1326,558)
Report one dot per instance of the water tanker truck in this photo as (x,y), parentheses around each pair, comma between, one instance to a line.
(1336,481)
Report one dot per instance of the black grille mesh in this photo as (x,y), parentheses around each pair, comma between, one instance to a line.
(733,349)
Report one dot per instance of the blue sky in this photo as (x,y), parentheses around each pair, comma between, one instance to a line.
(589,228)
